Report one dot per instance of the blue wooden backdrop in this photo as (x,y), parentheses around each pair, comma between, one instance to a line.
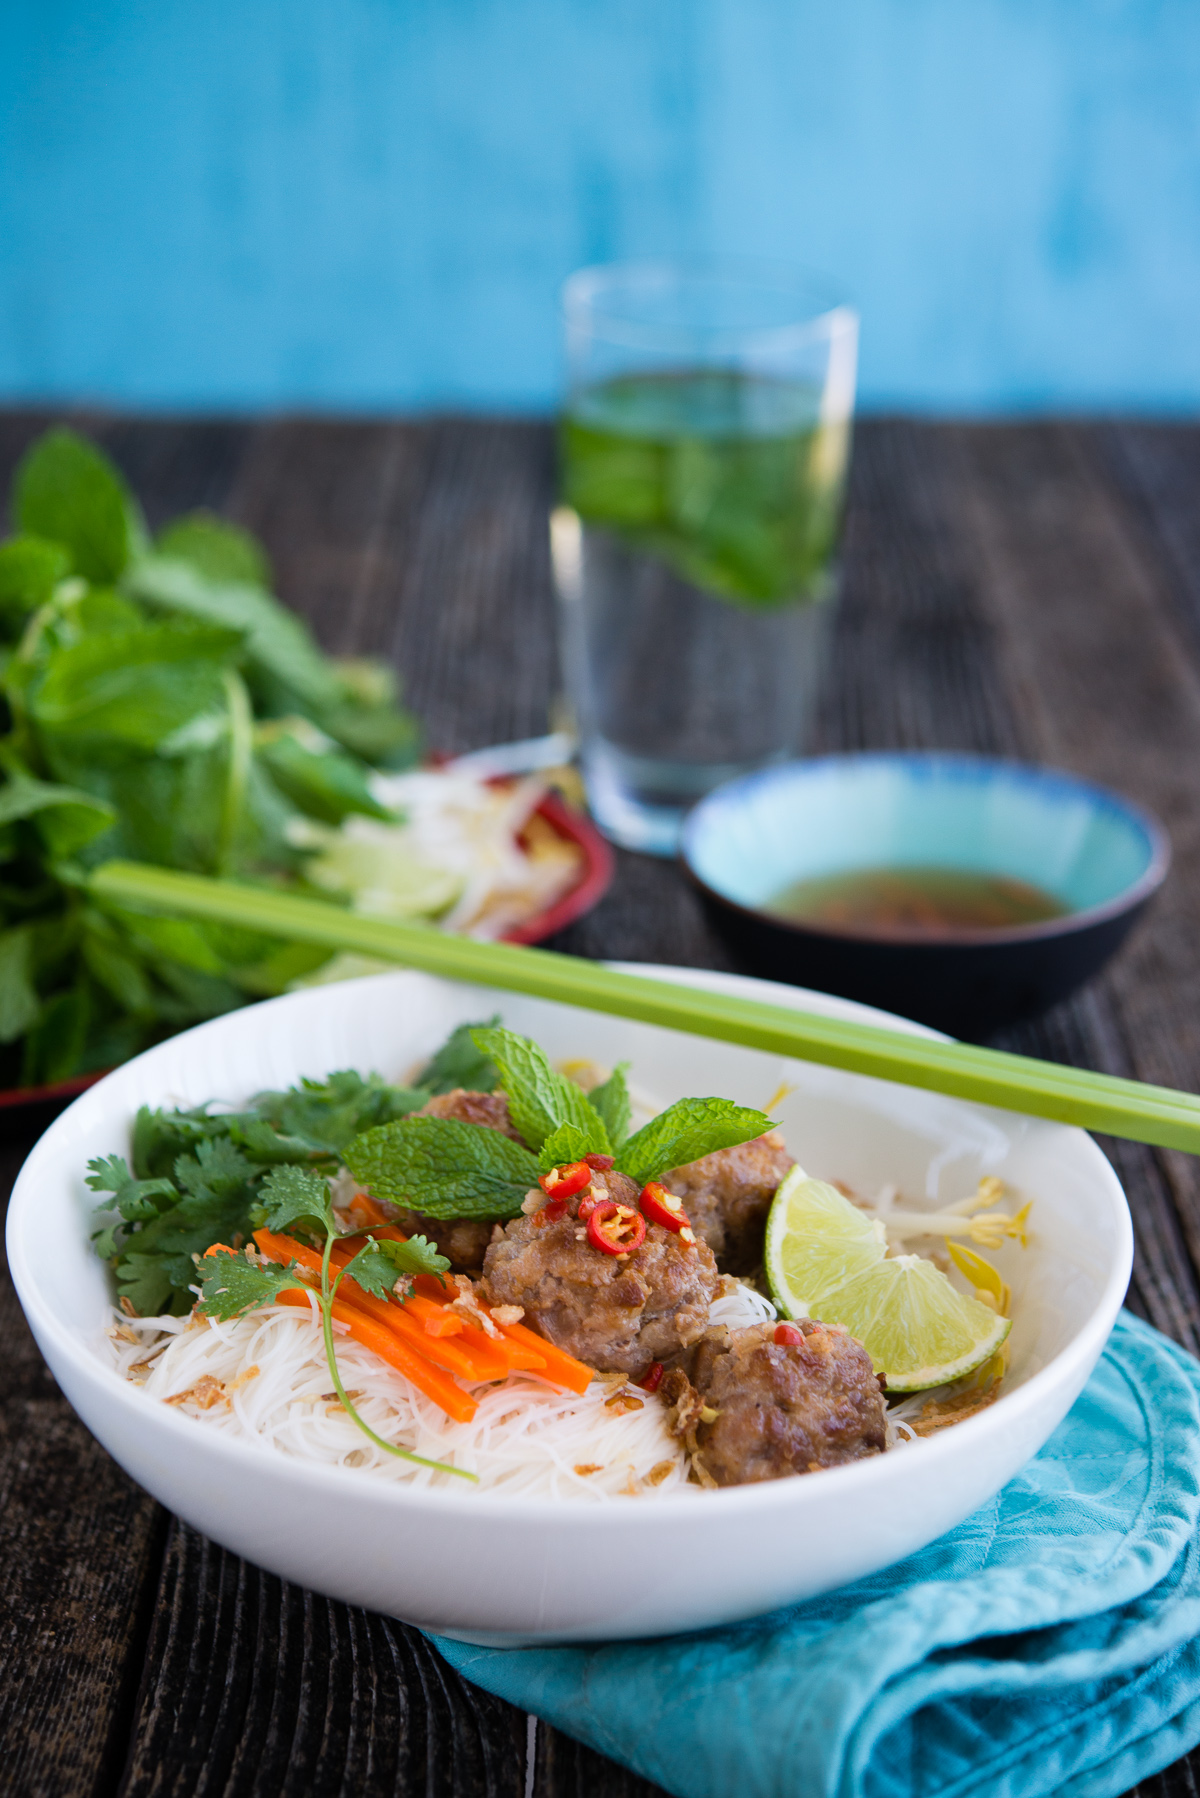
(371,203)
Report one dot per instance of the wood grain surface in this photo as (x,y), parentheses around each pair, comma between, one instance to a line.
(1028,590)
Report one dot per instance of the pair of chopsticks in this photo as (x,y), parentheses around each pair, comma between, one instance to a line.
(1127,1108)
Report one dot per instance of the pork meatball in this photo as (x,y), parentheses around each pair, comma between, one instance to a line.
(462,1240)
(616,1313)
(756,1409)
(727,1196)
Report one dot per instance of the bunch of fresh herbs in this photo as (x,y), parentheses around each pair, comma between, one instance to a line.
(158,703)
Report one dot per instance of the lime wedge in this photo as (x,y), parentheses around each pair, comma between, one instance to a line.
(826,1259)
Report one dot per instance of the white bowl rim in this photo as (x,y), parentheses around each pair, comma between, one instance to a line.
(749,1500)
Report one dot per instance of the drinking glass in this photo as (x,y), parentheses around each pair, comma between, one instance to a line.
(704,444)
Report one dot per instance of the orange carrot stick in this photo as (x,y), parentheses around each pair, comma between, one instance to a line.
(430,1380)
(560,1367)
(467,1360)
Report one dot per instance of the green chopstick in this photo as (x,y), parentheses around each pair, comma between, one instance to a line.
(1127,1108)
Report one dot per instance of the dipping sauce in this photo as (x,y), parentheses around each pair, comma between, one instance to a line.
(914,901)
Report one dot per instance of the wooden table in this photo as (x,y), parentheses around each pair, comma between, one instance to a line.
(1028,590)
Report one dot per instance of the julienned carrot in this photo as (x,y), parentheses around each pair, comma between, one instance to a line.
(512,1354)
(558,1366)
(368,1208)
(462,1359)
(431,1380)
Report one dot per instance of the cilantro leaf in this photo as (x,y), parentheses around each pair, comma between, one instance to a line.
(611,1100)
(144,1284)
(68,492)
(136,1200)
(416,1256)
(684,1132)
(444,1167)
(291,1195)
(231,1284)
(539,1100)
(459,1063)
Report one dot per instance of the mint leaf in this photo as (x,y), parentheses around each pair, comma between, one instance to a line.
(324,783)
(134,687)
(231,1284)
(459,1063)
(539,1100)
(19,1002)
(291,1195)
(216,549)
(66,491)
(280,651)
(30,569)
(567,1143)
(611,1101)
(686,1131)
(444,1167)
(65,817)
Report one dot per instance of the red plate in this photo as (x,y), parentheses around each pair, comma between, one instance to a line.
(595,878)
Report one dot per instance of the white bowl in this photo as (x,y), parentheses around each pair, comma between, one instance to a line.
(490,1568)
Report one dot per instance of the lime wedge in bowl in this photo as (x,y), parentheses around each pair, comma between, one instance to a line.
(827,1259)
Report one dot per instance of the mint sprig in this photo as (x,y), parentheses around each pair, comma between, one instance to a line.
(444,1167)
(686,1131)
(540,1100)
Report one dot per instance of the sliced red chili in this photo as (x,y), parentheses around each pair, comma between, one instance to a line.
(587,1205)
(562,1181)
(662,1207)
(788,1336)
(600,1163)
(653,1378)
(615,1229)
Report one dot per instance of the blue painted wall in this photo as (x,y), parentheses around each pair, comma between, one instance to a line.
(366,204)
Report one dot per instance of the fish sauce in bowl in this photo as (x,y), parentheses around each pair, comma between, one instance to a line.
(916,902)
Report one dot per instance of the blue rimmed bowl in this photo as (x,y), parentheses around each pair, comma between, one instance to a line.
(1099,855)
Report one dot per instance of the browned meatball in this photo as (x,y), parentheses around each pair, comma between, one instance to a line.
(618,1313)
(489,1109)
(727,1196)
(780,1408)
(462,1240)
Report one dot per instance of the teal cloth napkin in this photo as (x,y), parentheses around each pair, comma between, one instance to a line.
(1045,1646)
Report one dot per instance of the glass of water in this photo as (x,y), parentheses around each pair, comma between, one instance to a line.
(704,446)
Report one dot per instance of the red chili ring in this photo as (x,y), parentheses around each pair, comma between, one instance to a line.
(609,1212)
(569,1177)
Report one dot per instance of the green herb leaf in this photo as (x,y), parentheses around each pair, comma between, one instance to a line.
(444,1167)
(134,687)
(686,1131)
(373,1270)
(68,492)
(30,569)
(539,1100)
(65,817)
(232,1285)
(134,1199)
(216,549)
(145,1285)
(459,1063)
(611,1101)
(416,1256)
(567,1143)
(20,1006)
(325,783)
(291,1195)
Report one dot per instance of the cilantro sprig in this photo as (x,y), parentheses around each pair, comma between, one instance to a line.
(300,1199)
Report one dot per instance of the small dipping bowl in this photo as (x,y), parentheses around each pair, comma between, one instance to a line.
(1097,854)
